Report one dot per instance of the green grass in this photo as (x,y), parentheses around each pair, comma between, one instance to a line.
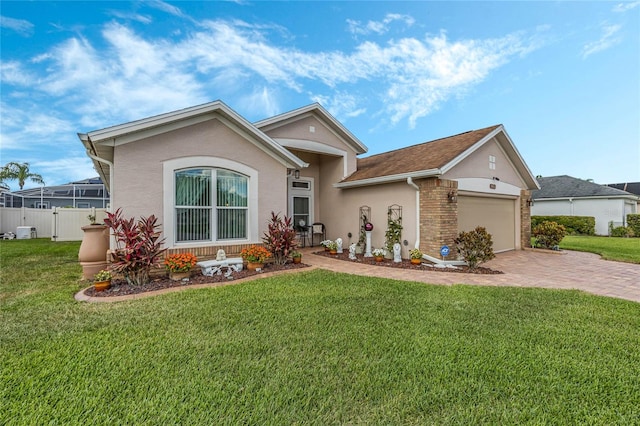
(314,347)
(610,248)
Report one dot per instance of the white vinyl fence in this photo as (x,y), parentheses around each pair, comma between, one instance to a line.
(59,224)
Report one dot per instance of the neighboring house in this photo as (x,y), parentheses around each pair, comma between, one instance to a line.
(213,179)
(632,187)
(568,196)
(85,193)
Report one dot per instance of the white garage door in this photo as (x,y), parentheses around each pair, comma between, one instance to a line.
(497,215)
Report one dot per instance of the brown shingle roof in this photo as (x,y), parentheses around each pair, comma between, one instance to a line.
(428,155)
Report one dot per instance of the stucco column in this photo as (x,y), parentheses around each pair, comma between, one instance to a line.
(438,215)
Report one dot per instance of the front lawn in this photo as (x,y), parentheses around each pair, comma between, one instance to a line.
(314,347)
(610,248)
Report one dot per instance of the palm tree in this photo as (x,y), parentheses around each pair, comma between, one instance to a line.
(19,172)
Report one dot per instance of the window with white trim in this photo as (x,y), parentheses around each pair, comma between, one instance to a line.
(210,205)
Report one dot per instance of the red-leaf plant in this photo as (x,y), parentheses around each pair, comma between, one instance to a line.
(280,238)
(138,246)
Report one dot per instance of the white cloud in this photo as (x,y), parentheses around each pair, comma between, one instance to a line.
(607,40)
(12,72)
(261,102)
(64,170)
(378,27)
(22,27)
(145,19)
(134,76)
(623,7)
(341,105)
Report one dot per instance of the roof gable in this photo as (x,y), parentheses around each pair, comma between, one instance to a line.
(433,158)
(569,187)
(100,143)
(316,110)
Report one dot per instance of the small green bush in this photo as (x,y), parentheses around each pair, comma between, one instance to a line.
(548,234)
(621,231)
(633,222)
(574,225)
(475,246)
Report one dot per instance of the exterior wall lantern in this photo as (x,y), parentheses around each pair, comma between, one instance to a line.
(452,196)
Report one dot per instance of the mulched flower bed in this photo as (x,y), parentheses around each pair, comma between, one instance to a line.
(406,264)
(120,287)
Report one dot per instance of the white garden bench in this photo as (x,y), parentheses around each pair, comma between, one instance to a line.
(216,267)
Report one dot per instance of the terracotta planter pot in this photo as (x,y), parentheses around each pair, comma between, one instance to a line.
(102,285)
(333,251)
(179,276)
(93,250)
(252,266)
(416,261)
(379,258)
(297,259)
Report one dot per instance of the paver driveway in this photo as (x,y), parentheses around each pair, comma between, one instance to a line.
(522,268)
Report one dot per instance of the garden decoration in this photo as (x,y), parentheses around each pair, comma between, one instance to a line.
(339,245)
(368,227)
(397,257)
(352,251)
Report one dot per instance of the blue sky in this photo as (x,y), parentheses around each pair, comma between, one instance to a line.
(563,77)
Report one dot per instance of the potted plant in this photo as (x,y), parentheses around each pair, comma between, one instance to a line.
(296,256)
(325,244)
(255,256)
(416,256)
(102,280)
(332,246)
(378,254)
(179,265)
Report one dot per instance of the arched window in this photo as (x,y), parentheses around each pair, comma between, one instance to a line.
(210,205)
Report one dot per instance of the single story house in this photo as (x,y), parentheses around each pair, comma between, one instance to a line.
(84,193)
(567,196)
(213,178)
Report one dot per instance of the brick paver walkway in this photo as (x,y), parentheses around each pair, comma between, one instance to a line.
(522,268)
(569,270)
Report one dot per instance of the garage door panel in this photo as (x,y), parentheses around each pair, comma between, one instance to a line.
(497,215)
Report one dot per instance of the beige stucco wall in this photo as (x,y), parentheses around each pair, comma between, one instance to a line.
(138,178)
(477,166)
(340,209)
(300,129)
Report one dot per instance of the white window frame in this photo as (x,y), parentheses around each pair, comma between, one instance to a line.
(169,168)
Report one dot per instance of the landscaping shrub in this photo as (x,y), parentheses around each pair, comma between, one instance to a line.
(475,246)
(280,238)
(574,225)
(621,231)
(138,246)
(633,222)
(548,234)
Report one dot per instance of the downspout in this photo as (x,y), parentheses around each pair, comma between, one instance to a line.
(414,186)
(108,163)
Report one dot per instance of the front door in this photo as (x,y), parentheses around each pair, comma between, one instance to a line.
(301,201)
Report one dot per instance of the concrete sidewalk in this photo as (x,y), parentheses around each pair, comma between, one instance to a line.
(522,268)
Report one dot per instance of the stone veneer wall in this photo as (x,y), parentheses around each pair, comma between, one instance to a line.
(525,219)
(438,216)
